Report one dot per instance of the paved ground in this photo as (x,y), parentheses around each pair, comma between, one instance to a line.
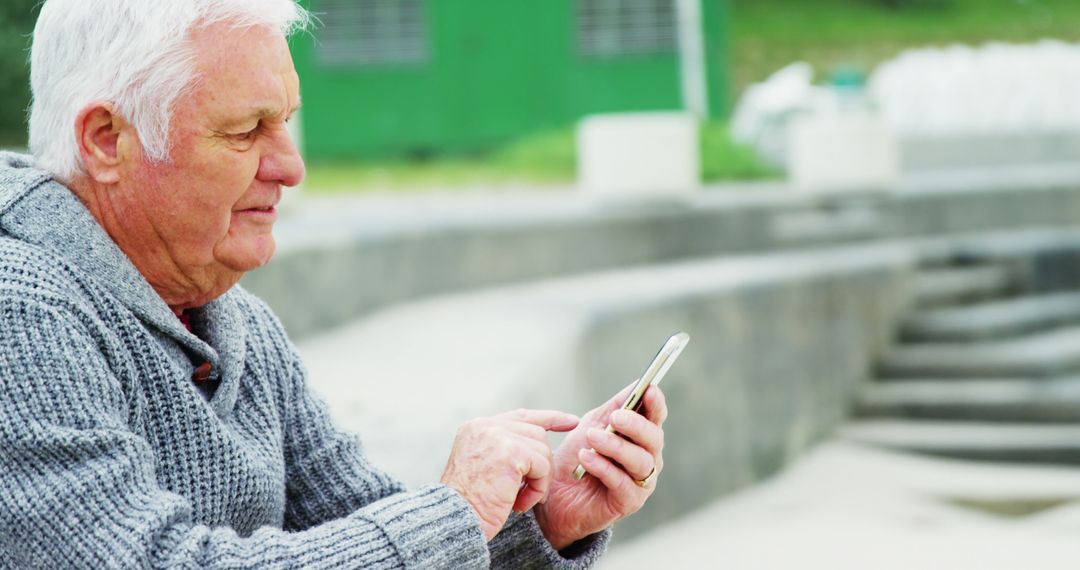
(844,506)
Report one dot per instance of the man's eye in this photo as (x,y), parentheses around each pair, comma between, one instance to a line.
(244,137)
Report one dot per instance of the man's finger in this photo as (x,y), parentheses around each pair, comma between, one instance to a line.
(526,430)
(550,420)
(537,480)
(635,460)
(655,406)
(640,430)
(528,498)
(617,481)
(536,445)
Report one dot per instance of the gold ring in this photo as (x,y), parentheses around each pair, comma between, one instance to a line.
(648,478)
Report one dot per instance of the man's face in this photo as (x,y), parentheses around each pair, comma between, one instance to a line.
(205,216)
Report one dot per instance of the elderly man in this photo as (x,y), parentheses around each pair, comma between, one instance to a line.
(154,414)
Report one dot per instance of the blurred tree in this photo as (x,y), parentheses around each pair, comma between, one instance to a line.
(17,19)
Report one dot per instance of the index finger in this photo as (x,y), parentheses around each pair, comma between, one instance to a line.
(550,420)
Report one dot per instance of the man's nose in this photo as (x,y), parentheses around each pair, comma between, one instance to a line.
(281,162)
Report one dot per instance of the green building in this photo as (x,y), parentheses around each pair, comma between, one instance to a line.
(416,77)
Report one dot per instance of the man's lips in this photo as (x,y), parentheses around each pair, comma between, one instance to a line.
(267,203)
(266,213)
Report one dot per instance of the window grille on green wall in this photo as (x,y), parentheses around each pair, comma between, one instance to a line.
(612,28)
(365,33)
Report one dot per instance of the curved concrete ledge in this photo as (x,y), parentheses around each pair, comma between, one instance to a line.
(346,258)
(780,343)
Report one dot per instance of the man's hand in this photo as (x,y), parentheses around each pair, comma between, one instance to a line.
(576,509)
(504,462)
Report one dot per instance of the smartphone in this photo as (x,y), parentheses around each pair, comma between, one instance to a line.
(652,376)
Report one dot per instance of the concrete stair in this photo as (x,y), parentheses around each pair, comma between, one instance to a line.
(1057,443)
(984,247)
(992,320)
(1021,400)
(958,285)
(1042,354)
(987,364)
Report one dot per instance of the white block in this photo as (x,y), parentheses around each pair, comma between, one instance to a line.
(639,153)
(832,152)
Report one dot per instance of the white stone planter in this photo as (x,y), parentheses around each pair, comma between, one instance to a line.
(841,152)
(639,154)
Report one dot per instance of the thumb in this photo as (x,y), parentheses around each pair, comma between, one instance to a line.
(616,401)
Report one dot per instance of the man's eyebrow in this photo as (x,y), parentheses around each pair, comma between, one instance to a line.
(258,115)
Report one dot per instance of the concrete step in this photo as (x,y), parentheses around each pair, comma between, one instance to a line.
(1024,443)
(961,285)
(992,320)
(967,248)
(1042,355)
(1022,400)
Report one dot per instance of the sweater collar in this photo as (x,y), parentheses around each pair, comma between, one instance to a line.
(36,209)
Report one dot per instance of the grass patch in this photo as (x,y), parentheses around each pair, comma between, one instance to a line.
(544,159)
(724,159)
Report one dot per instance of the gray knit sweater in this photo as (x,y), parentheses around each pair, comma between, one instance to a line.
(111,457)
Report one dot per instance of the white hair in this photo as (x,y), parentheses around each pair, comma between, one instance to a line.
(132,54)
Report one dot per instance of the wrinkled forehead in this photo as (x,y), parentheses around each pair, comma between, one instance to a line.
(243,69)
(229,54)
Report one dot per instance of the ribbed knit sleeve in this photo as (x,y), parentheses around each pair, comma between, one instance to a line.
(521,546)
(79,487)
(327,475)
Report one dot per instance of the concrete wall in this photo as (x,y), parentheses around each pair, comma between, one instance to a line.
(984,200)
(354,258)
(981,150)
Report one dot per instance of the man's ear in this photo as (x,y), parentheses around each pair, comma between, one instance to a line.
(99,130)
